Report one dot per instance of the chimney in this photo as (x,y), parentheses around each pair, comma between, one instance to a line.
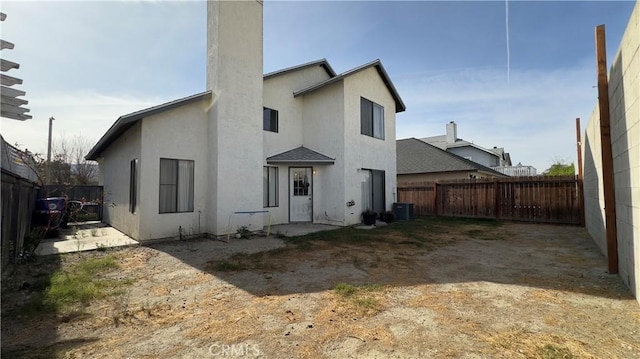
(452,132)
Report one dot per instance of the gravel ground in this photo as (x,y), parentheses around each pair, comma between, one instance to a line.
(469,291)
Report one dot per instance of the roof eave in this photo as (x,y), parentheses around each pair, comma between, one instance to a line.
(123,123)
(322,63)
(301,161)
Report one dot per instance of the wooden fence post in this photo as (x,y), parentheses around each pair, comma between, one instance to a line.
(607,156)
(496,190)
(435,198)
(579,182)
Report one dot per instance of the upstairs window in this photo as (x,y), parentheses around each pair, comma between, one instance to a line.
(371,119)
(269,119)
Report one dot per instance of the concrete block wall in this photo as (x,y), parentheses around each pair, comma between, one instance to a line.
(624,102)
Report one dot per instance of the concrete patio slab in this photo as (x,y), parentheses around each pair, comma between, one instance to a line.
(300,229)
(378,224)
(84,237)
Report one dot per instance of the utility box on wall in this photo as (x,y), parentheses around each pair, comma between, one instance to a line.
(403,211)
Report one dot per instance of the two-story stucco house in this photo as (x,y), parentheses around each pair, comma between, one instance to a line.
(303,144)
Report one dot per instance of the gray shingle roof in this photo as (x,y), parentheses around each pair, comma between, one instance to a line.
(123,123)
(416,156)
(441,142)
(300,155)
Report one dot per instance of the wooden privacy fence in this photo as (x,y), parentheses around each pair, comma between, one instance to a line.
(535,199)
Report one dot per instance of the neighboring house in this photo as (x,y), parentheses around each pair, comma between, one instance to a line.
(418,161)
(451,143)
(518,170)
(303,144)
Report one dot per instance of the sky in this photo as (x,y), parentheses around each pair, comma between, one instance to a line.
(87,63)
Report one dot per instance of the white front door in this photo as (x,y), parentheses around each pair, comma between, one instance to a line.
(300,194)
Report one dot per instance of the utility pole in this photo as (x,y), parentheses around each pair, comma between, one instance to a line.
(48,181)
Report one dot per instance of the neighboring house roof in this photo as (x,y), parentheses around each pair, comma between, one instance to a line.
(400,107)
(322,62)
(300,155)
(441,142)
(416,156)
(123,123)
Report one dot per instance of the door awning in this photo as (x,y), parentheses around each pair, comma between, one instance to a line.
(301,155)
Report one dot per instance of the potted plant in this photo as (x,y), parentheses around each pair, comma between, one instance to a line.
(369,217)
(388,216)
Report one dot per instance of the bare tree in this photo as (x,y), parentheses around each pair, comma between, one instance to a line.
(86,172)
(69,165)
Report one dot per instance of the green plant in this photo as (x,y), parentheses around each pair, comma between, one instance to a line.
(243,232)
(101,247)
(226,266)
(369,217)
(78,284)
(360,296)
(348,290)
(550,351)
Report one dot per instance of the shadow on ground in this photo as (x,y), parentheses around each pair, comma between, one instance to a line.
(22,285)
(423,251)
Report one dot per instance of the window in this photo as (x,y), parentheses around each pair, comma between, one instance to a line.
(176,185)
(269,119)
(270,186)
(371,119)
(300,183)
(133,181)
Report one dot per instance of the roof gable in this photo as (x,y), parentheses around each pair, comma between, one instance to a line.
(416,156)
(123,123)
(400,106)
(300,155)
(441,142)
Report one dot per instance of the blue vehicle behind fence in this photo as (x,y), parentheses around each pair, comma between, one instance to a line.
(50,213)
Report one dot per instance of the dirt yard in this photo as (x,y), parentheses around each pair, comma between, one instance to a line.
(430,288)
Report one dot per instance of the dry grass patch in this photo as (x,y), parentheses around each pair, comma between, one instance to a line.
(137,260)
(518,342)
(362,300)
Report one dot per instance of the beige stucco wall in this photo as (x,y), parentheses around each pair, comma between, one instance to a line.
(476,155)
(327,120)
(114,176)
(624,99)
(323,117)
(234,74)
(278,95)
(363,151)
(180,133)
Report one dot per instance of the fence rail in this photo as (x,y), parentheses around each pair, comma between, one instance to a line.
(89,195)
(535,199)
